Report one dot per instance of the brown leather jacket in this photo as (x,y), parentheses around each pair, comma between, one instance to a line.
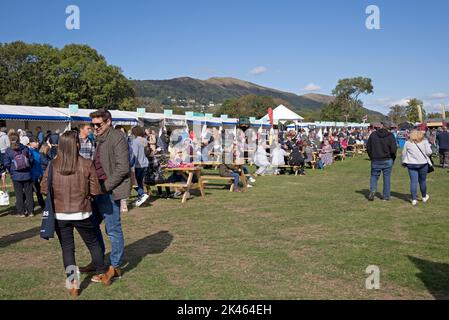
(72,193)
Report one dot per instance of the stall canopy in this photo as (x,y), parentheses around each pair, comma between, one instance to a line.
(118,117)
(283,114)
(27,113)
(260,123)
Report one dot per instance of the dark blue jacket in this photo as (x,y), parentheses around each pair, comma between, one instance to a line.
(443,140)
(40,138)
(36,168)
(45,160)
(8,162)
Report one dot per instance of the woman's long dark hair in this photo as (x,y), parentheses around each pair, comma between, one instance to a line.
(66,162)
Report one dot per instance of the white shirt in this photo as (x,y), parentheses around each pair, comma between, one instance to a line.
(277,157)
(77,216)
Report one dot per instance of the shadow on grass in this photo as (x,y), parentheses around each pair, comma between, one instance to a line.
(12,211)
(434,275)
(137,251)
(153,244)
(401,196)
(7,211)
(20,236)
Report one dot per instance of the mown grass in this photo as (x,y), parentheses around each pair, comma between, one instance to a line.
(309,237)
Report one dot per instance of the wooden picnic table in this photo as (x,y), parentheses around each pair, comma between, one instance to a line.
(239,166)
(189,173)
(357,149)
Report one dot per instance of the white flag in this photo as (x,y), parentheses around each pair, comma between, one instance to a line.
(319,135)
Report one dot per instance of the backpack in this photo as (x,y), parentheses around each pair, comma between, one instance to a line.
(21,161)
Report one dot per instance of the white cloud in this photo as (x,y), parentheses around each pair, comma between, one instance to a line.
(438,96)
(381,101)
(431,103)
(311,87)
(403,102)
(258,70)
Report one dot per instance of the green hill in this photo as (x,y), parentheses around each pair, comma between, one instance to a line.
(217,90)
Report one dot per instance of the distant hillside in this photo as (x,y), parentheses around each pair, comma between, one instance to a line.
(218,90)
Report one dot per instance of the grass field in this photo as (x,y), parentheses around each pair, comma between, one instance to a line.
(309,237)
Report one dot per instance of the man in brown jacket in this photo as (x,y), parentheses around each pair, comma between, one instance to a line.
(113,171)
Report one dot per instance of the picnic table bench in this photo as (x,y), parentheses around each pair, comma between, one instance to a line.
(357,149)
(230,180)
(189,173)
(286,166)
(207,178)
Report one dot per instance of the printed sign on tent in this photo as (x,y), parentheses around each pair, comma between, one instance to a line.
(168,112)
(73,109)
(141,112)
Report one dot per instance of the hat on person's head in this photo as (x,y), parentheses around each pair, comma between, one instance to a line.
(24,140)
(386,124)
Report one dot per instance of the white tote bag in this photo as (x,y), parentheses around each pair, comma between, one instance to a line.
(4,198)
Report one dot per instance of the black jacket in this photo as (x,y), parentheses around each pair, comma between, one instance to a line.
(443,140)
(296,157)
(382,146)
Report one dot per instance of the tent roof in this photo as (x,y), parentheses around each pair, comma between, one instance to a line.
(283,113)
(118,117)
(28,113)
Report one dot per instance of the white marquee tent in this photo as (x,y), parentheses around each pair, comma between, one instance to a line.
(283,114)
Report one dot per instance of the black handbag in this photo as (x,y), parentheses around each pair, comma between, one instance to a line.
(430,167)
(48,216)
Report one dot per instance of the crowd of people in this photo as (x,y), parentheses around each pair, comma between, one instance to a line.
(90,172)
(307,148)
(94,167)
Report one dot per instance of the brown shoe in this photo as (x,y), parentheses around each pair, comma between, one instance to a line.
(74,292)
(88,269)
(118,273)
(106,278)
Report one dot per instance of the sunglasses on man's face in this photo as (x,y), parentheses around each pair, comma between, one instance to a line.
(98,125)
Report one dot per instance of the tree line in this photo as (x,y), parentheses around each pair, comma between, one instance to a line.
(411,112)
(42,75)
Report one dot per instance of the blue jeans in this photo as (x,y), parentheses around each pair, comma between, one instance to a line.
(105,208)
(140,175)
(378,167)
(236,177)
(418,175)
(205,155)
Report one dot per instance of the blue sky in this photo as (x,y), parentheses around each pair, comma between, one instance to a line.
(288,45)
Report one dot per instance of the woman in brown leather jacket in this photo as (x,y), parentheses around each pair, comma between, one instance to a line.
(74,183)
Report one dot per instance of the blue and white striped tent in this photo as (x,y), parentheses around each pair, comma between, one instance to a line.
(28,118)
(118,117)
(28,113)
